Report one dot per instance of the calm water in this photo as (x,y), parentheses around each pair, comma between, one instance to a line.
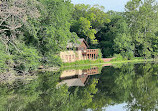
(121,87)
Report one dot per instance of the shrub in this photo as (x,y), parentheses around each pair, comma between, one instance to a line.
(119,57)
(53,60)
(5,58)
(27,59)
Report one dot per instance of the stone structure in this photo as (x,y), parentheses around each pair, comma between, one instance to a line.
(78,51)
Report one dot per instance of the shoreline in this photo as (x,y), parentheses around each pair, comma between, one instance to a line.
(111,62)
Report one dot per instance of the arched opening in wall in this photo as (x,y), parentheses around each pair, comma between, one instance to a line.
(88,56)
(92,56)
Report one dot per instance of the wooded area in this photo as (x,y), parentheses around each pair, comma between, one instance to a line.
(33,32)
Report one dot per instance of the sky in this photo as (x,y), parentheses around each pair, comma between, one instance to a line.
(115,5)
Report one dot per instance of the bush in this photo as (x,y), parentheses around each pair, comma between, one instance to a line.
(118,57)
(99,54)
(123,56)
(5,59)
(27,59)
(130,55)
(52,60)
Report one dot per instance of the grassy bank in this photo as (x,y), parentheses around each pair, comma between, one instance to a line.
(83,62)
(101,62)
(81,67)
(135,60)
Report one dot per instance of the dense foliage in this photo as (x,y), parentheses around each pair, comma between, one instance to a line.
(133,32)
(33,32)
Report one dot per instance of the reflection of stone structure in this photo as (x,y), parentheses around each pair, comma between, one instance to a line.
(80,52)
(91,71)
(77,77)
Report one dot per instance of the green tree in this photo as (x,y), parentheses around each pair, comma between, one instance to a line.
(123,41)
(14,19)
(33,32)
(87,21)
(54,32)
(142,21)
(83,28)
(114,37)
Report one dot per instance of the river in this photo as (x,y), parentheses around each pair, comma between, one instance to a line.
(118,87)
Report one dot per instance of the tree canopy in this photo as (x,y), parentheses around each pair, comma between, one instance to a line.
(33,32)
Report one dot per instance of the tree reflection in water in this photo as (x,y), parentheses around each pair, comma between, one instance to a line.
(43,94)
(133,84)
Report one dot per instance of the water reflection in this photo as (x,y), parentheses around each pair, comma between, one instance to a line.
(133,84)
(130,87)
(77,77)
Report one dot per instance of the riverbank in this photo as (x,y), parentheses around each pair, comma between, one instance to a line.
(101,62)
(82,62)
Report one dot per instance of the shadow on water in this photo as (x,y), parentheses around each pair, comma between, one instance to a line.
(134,86)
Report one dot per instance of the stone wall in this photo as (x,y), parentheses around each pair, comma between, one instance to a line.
(71,56)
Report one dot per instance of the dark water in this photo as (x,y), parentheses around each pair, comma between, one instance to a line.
(121,87)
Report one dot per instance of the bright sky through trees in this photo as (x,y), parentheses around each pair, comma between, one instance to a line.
(116,5)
